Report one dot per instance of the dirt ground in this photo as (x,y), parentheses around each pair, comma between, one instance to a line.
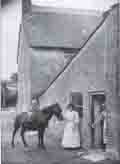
(54,154)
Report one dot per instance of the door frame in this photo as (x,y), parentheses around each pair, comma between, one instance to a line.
(91,94)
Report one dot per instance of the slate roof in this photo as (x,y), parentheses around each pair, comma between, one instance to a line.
(61,28)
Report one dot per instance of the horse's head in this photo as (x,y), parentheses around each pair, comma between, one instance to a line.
(57,111)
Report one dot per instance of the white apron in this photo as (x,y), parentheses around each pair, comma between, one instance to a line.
(71,136)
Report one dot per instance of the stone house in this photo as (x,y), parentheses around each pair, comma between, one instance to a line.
(70,55)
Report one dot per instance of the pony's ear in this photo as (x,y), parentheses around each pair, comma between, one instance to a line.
(57,103)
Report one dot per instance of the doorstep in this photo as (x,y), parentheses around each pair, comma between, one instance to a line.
(93,155)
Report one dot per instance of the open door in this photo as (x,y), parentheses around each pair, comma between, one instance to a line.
(97,99)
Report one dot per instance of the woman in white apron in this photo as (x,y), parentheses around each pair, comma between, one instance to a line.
(104,115)
(71,136)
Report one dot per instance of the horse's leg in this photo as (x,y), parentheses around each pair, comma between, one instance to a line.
(42,138)
(22,136)
(13,136)
(16,127)
(39,140)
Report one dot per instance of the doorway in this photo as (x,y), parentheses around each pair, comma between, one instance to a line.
(77,99)
(96,100)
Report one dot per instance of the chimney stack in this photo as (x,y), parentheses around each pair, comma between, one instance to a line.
(26,7)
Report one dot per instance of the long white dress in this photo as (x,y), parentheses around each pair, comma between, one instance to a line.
(71,136)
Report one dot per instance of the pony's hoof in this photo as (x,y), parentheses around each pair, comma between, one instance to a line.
(26,145)
(13,145)
(39,146)
(43,147)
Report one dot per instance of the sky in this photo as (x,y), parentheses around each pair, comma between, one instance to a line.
(11,18)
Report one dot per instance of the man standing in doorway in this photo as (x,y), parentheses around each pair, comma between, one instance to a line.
(103,115)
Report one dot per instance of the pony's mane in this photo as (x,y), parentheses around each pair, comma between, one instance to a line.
(48,108)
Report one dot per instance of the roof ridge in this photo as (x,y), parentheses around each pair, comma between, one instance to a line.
(76,54)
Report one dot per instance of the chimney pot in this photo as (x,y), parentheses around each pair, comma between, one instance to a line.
(26,7)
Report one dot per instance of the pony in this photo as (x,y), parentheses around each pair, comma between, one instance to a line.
(36,121)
